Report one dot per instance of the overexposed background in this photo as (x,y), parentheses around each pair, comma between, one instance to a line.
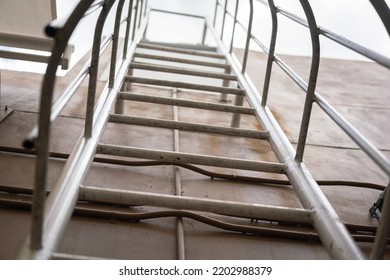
(353,19)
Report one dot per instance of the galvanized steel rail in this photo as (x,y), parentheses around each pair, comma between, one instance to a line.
(49,218)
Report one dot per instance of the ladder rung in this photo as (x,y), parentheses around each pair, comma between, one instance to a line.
(179,50)
(182,60)
(230,208)
(64,256)
(179,157)
(187,103)
(175,84)
(182,71)
(188,126)
(181,46)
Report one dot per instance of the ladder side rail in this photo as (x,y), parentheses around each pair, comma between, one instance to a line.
(61,33)
(49,218)
(366,145)
(309,88)
(333,233)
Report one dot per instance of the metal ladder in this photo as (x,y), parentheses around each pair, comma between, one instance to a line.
(50,217)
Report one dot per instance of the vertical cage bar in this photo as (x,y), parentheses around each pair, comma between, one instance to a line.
(204,33)
(224,19)
(135,19)
(127,35)
(145,7)
(248,37)
(140,14)
(310,93)
(271,52)
(234,26)
(93,70)
(115,39)
(239,100)
(215,13)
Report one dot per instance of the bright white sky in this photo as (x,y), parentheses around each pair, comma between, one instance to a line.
(354,19)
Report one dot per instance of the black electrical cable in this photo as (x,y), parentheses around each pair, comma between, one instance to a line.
(29,192)
(87,211)
(231,177)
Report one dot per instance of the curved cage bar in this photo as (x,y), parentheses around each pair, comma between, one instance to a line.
(42,241)
(314,68)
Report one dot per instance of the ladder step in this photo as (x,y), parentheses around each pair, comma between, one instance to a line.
(180,50)
(182,60)
(179,157)
(174,84)
(188,126)
(187,103)
(182,46)
(182,71)
(229,208)
(64,256)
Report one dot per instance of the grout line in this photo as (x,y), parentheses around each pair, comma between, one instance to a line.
(178,189)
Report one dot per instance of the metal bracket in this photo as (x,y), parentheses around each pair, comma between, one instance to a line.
(376,208)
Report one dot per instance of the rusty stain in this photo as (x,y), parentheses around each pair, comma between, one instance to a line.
(280,121)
